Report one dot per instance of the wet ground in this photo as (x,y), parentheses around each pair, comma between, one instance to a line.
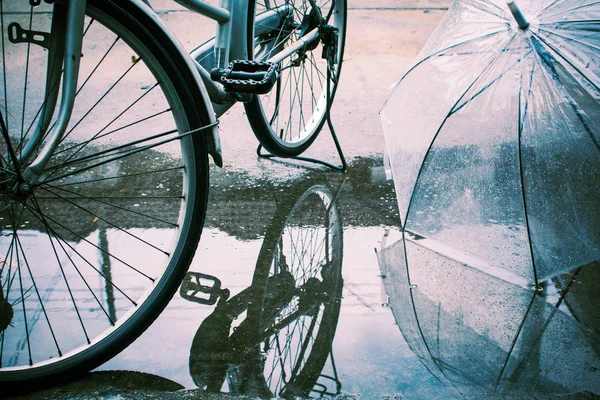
(458,334)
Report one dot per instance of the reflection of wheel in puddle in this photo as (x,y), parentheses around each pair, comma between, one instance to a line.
(298,278)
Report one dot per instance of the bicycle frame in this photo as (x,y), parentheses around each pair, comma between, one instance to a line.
(232,19)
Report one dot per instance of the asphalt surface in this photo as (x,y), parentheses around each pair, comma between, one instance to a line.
(368,357)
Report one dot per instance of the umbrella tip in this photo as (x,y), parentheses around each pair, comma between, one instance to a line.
(516,12)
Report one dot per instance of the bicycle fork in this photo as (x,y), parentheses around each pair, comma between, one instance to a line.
(64,44)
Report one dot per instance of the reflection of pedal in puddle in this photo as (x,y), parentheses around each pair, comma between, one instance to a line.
(274,338)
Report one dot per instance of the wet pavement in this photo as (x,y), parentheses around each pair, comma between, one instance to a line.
(448,332)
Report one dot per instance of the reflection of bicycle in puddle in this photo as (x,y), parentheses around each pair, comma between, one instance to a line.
(274,338)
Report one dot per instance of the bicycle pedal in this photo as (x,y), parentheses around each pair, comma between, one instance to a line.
(246,76)
(202,288)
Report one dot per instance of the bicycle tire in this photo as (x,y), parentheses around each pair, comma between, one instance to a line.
(283,132)
(304,369)
(132,224)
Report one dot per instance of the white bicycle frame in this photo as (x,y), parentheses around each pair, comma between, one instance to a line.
(232,19)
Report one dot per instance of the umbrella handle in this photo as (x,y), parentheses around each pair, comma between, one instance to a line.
(516,12)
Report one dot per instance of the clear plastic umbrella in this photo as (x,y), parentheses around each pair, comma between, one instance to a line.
(493,138)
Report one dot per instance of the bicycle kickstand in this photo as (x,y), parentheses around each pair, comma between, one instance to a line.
(329,52)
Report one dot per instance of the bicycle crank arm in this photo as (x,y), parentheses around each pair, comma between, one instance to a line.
(73,45)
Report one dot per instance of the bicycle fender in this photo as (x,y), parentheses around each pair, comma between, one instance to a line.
(213,142)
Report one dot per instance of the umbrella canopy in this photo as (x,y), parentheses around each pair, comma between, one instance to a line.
(493,138)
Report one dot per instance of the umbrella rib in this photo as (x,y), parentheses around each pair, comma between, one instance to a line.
(570,39)
(520,125)
(523,116)
(567,10)
(446,49)
(573,21)
(541,61)
(456,109)
(417,318)
(548,7)
(410,202)
(541,39)
(515,339)
(503,14)
(569,98)
(555,310)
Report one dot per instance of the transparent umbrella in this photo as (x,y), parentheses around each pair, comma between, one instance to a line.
(493,139)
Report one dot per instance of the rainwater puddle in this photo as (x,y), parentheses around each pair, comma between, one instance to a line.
(311,298)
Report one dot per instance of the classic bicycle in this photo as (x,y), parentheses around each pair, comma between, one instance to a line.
(275,337)
(106,127)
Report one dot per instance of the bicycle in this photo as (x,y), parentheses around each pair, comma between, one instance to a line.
(275,337)
(104,191)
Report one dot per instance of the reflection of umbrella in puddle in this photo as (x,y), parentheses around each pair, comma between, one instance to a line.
(493,139)
(479,334)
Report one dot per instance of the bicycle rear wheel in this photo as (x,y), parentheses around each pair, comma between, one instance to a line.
(94,252)
(299,284)
(288,119)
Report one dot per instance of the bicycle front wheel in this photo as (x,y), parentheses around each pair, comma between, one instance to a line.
(288,119)
(93,251)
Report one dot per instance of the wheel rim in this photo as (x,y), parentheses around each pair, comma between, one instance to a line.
(295,108)
(95,241)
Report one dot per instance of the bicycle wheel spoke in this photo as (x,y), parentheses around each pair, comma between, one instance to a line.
(277,108)
(52,88)
(311,88)
(322,77)
(118,150)
(14,222)
(100,99)
(100,135)
(302,125)
(109,90)
(106,221)
(31,276)
(34,212)
(62,271)
(98,65)
(24,313)
(128,176)
(80,196)
(294,95)
(124,153)
(89,263)
(87,285)
(60,242)
(304,346)
(279,358)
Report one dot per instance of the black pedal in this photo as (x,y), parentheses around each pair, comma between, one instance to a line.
(202,288)
(245,76)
